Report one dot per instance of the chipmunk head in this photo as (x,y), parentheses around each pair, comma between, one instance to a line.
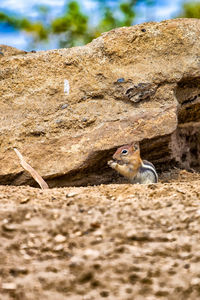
(127,153)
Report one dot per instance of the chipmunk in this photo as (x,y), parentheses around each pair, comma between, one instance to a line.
(127,161)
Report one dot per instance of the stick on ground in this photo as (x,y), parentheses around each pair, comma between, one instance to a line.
(33,173)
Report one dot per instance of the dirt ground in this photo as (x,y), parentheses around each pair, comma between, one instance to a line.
(117,241)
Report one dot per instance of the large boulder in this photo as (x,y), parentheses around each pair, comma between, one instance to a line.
(67,110)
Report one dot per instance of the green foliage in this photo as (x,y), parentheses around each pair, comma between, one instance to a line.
(129,14)
(73,27)
(191,10)
(73,23)
(37,29)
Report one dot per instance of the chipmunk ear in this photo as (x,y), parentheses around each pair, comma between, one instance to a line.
(135,146)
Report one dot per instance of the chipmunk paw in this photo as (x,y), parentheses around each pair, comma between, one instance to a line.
(112,164)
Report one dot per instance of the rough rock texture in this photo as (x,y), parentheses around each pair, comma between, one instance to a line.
(131,84)
(116,242)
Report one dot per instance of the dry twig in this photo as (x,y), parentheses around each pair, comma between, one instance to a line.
(33,173)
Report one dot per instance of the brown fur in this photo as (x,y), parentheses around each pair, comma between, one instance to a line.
(129,164)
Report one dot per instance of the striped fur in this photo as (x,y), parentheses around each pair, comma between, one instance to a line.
(147,166)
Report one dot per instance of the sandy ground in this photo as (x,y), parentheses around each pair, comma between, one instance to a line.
(118,241)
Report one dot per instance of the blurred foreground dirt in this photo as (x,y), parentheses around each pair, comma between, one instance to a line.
(118,241)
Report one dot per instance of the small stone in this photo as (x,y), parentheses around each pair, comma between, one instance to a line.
(18,271)
(91,253)
(28,216)
(9,227)
(64,106)
(59,238)
(58,121)
(72,194)
(187,266)
(84,120)
(195,281)
(24,200)
(58,247)
(78,233)
(10,286)
(76,261)
(143,30)
(95,224)
(98,239)
(104,294)
(98,233)
(120,80)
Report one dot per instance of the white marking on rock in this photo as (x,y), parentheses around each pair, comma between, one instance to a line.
(66,86)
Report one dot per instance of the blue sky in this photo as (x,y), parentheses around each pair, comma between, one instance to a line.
(164,9)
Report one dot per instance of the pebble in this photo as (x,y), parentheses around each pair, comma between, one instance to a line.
(91,253)
(28,216)
(9,286)
(72,194)
(98,233)
(75,260)
(198,212)
(58,121)
(9,227)
(18,270)
(195,281)
(64,106)
(58,247)
(25,200)
(59,238)
(131,233)
(120,80)
(78,233)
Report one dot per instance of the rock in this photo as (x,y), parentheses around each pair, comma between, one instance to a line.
(141,91)
(64,106)
(10,51)
(10,227)
(134,83)
(90,253)
(59,238)
(58,247)
(25,200)
(71,194)
(9,286)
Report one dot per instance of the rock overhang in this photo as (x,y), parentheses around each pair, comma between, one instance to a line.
(129,84)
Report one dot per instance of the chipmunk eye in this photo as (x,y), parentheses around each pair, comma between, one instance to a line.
(124,151)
